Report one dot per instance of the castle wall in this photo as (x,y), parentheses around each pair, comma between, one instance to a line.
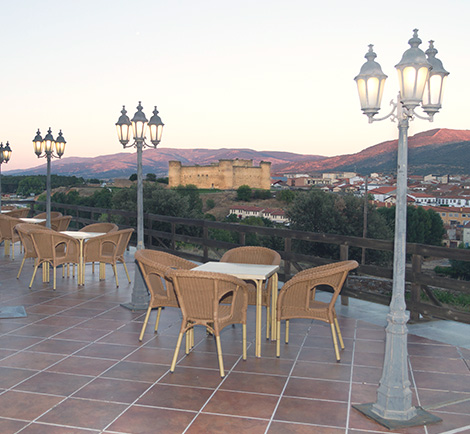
(226,175)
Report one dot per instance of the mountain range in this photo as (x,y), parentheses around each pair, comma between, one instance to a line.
(436,151)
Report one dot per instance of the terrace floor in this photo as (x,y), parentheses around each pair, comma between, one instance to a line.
(74,365)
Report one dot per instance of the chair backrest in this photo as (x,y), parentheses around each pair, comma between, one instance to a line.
(48,243)
(252,255)
(100,227)
(61,223)
(199,293)
(7,224)
(43,215)
(123,240)
(299,290)
(154,266)
(8,207)
(24,231)
(18,212)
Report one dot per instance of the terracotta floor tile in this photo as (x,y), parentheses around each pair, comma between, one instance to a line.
(439,381)
(452,402)
(197,377)
(312,411)
(58,346)
(39,330)
(208,360)
(450,422)
(82,366)
(31,360)
(81,334)
(433,350)
(162,356)
(369,359)
(15,342)
(150,420)
(322,371)
(256,383)
(317,389)
(358,421)
(176,397)
(264,366)
(8,426)
(40,428)
(367,375)
(83,413)
(326,355)
(105,389)
(215,424)
(291,428)
(439,364)
(102,324)
(241,404)
(53,383)
(136,371)
(377,347)
(26,406)
(105,351)
(11,376)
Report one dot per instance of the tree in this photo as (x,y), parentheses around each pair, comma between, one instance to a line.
(244,193)
(31,184)
(286,196)
(133,177)
(151,177)
(191,192)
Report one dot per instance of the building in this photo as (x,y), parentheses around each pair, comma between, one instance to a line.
(224,175)
(274,214)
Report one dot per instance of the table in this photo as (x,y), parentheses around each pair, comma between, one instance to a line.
(32,220)
(81,237)
(256,273)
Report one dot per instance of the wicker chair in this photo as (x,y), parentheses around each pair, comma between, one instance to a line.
(8,235)
(297,298)
(53,248)
(60,224)
(23,230)
(261,256)
(43,215)
(199,294)
(8,207)
(18,213)
(100,227)
(154,265)
(106,248)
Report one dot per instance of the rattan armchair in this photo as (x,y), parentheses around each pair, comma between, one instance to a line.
(154,265)
(24,230)
(60,224)
(53,248)
(18,213)
(8,234)
(100,227)
(199,295)
(297,299)
(43,215)
(260,256)
(106,248)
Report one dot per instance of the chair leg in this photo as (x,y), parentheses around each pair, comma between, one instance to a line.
(188,333)
(219,355)
(12,250)
(177,350)
(278,340)
(335,342)
(21,268)
(192,337)
(158,319)
(93,267)
(144,325)
(115,275)
(54,278)
(339,333)
(127,272)
(268,321)
(287,331)
(34,275)
(244,341)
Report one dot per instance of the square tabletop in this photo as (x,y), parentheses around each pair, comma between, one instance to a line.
(242,271)
(32,220)
(80,235)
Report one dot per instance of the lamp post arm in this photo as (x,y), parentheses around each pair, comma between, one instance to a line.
(390,115)
(429,118)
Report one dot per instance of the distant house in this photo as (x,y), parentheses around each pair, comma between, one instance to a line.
(274,214)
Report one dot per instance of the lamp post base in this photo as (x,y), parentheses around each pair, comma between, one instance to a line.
(140,297)
(422,417)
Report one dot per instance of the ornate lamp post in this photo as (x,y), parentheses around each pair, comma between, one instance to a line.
(44,148)
(5,154)
(139,124)
(421,81)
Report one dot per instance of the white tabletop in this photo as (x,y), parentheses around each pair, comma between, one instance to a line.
(79,235)
(32,220)
(242,271)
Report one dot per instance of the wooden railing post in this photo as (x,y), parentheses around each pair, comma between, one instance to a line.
(173,233)
(242,238)
(344,256)
(416,262)
(287,253)
(205,237)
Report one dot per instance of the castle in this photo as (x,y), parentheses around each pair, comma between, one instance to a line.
(224,175)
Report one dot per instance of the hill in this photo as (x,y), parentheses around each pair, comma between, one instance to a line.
(435,151)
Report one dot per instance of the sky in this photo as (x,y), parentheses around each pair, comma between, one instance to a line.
(259,74)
